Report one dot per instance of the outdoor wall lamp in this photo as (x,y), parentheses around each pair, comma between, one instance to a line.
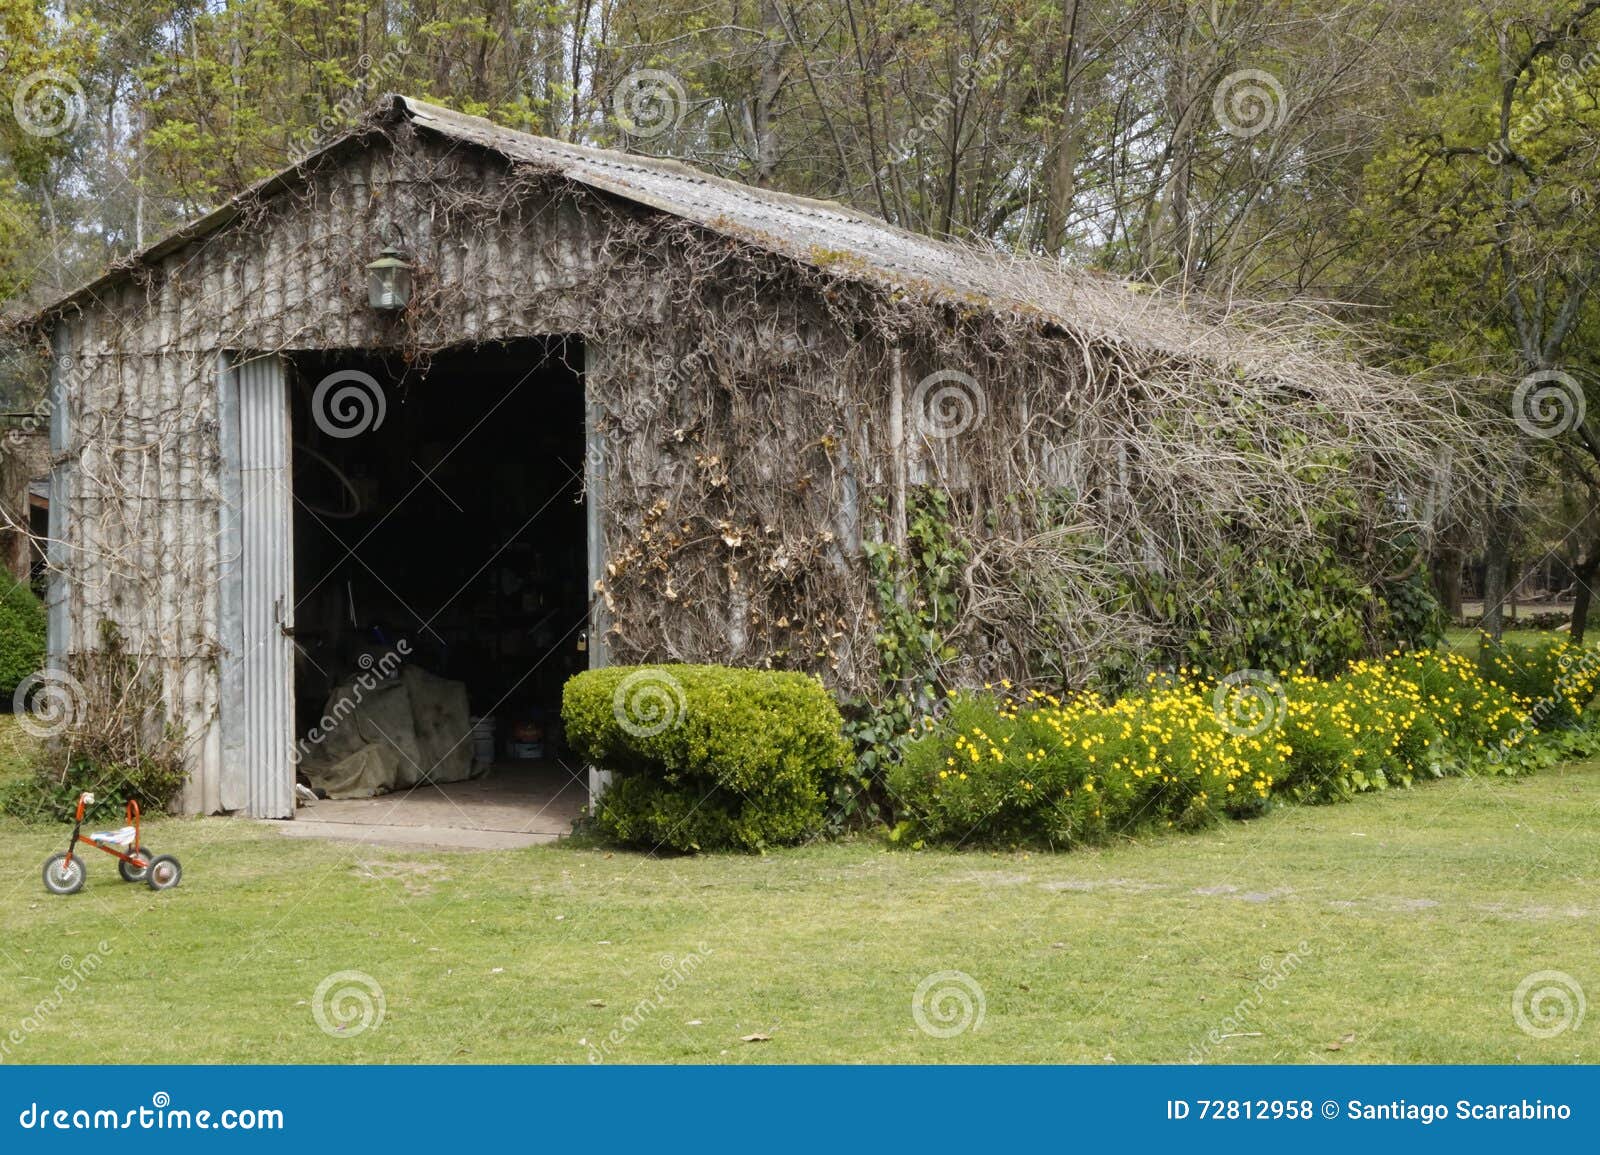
(389,280)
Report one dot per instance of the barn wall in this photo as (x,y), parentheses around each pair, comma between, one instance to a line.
(683,423)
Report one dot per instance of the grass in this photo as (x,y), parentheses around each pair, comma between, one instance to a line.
(1466,640)
(16,750)
(1392,929)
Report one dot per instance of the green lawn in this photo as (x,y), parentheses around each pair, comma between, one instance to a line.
(1395,928)
(1465,640)
(16,750)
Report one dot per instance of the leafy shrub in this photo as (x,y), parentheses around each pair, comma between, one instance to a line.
(1035,769)
(1304,610)
(1308,610)
(1388,723)
(22,630)
(1552,678)
(1409,615)
(51,793)
(708,757)
(1038,770)
(112,737)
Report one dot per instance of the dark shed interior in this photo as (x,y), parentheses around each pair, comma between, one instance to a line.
(445,512)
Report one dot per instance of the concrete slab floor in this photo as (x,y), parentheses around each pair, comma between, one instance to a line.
(516,804)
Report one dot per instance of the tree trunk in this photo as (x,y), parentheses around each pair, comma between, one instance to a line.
(762,127)
(1583,572)
(1062,185)
(1496,574)
(1447,580)
(1580,608)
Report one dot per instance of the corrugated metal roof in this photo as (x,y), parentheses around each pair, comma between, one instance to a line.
(821,233)
(831,236)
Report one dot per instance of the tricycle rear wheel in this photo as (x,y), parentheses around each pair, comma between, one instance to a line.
(164,873)
(63,877)
(132,873)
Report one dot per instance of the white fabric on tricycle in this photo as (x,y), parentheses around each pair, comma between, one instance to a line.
(123,837)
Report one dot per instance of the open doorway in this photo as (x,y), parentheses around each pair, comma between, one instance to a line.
(440,569)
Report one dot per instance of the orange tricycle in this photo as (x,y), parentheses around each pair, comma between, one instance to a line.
(65,873)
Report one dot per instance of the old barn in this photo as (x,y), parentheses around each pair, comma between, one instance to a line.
(506,407)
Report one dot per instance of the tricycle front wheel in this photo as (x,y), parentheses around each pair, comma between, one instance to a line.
(62,876)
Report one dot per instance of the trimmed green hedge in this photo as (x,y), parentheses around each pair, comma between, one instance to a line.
(1554,678)
(707,757)
(22,626)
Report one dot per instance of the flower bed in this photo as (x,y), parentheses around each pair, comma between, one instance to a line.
(1035,769)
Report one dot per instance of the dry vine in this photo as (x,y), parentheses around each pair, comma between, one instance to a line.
(760,418)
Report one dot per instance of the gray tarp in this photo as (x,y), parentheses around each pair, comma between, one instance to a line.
(410,728)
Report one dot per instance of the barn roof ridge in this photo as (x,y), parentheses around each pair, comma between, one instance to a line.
(824,234)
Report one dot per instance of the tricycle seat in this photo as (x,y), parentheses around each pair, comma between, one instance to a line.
(123,838)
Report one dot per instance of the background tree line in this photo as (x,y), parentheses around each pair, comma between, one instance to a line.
(1423,172)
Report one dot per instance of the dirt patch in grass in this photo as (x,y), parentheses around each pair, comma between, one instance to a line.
(415,877)
(1092,885)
